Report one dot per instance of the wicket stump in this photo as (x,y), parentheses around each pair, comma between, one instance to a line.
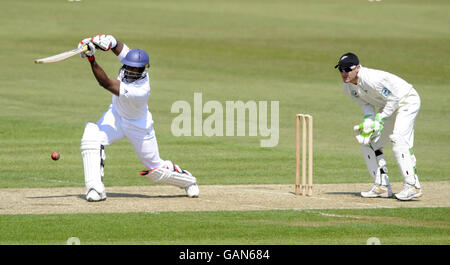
(303,121)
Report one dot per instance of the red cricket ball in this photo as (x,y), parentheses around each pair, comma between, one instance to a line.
(55,156)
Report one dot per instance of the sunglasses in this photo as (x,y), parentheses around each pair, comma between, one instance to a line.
(347,69)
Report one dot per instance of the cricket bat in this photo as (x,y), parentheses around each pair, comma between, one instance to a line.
(62,56)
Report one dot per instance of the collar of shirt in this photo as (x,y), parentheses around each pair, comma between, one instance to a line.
(360,73)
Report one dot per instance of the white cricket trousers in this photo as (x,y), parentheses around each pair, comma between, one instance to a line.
(401,123)
(140,133)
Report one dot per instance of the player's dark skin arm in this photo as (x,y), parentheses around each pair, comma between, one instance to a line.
(110,84)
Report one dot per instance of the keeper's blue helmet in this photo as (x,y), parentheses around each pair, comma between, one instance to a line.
(135,65)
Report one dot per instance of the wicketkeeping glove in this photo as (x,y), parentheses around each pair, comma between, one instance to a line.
(369,130)
(363,131)
(377,127)
(104,42)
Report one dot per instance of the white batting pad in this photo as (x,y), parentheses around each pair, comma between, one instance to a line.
(170,176)
(93,157)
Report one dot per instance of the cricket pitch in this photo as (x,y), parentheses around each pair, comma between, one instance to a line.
(158,198)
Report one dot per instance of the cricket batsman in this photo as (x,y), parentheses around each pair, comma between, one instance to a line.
(128,116)
(398,104)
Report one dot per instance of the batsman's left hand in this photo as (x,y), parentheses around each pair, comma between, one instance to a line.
(104,42)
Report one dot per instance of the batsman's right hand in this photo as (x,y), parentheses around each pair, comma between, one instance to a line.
(90,52)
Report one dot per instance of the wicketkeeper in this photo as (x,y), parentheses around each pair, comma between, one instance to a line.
(398,104)
(128,116)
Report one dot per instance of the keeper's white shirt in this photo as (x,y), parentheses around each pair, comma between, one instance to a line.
(376,88)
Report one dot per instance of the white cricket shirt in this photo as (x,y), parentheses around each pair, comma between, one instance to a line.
(378,88)
(132,102)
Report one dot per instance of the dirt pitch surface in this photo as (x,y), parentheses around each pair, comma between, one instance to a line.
(212,198)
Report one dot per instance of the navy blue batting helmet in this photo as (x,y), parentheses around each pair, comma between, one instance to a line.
(136,58)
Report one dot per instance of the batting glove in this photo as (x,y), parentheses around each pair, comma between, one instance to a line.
(90,52)
(104,42)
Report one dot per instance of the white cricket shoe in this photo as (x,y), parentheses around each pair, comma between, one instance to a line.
(409,192)
(378,191)
(192,191)
(94,196)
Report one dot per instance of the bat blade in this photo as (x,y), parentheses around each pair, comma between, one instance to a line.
(62,56)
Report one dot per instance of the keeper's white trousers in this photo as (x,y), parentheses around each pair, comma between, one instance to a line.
(399,129)
(401,123)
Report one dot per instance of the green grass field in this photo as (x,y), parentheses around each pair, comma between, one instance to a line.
(400,226)
(228,51)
